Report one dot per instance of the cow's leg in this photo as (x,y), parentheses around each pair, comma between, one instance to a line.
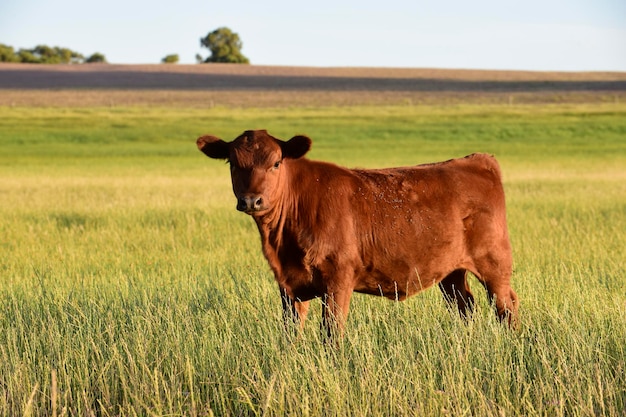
(493,263)
(457,292)
(294,311)
(335,307)
(505,301)
(496,277)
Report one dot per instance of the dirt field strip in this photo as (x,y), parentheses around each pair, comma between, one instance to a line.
(267,86)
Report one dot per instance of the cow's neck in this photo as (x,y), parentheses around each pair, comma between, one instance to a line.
(271,228)
(274,226)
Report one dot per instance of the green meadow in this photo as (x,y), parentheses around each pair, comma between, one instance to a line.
(130,285)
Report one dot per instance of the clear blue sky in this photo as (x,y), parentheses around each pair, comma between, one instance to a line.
(570,35)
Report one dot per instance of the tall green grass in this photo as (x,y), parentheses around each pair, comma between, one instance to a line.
(129,285)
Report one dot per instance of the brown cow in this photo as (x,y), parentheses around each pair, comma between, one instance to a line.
(328,231)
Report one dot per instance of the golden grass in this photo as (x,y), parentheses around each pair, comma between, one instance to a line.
(131,286)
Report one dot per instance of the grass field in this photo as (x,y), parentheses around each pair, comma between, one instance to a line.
(131,286)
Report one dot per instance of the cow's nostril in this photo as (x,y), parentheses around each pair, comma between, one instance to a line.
(258,203)
(242,204)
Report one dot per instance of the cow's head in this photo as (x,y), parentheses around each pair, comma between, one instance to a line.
(256,165)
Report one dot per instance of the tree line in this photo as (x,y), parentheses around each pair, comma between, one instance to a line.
(44,54)
(224,45)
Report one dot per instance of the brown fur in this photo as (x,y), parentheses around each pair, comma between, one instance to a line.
(328,231)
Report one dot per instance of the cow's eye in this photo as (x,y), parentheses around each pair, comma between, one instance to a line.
(276,165)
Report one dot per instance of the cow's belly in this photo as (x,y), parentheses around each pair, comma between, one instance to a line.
(407,274)
(396,282)
(407,258)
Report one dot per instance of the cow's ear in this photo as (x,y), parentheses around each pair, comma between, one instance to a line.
(296,147)
(213,147)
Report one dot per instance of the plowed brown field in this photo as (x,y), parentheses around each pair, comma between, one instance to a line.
(267,86)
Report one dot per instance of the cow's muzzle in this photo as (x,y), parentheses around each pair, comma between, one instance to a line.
(250,203)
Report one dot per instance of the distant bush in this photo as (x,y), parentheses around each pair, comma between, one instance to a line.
(96,58)
(170,59)
(44,54)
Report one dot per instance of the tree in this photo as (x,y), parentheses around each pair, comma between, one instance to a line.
(225,46)
(26,56)
(56,55)
(44,54)
(7,54)
(170,59)
(96,57)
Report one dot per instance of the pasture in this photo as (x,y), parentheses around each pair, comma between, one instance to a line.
(130,285)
